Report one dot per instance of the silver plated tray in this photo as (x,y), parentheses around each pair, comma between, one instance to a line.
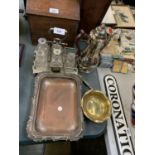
(56,113)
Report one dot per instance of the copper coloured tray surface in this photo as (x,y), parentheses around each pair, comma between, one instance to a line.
(56,112)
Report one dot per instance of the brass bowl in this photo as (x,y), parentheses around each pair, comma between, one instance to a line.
(96,106)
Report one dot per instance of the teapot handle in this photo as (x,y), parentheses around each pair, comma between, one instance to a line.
(81,35)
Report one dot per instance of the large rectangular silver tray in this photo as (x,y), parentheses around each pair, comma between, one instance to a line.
(56,113)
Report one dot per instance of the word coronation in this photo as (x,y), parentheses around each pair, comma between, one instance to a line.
(121,130)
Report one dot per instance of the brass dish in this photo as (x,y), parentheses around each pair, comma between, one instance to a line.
(96,106)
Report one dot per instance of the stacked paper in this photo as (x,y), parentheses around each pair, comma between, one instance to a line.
(106,61)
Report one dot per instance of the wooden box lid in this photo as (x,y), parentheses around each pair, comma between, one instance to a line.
(67,9)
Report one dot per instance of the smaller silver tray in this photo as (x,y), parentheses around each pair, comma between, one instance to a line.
(56,113)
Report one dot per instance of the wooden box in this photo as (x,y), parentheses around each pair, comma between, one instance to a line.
(44,14)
